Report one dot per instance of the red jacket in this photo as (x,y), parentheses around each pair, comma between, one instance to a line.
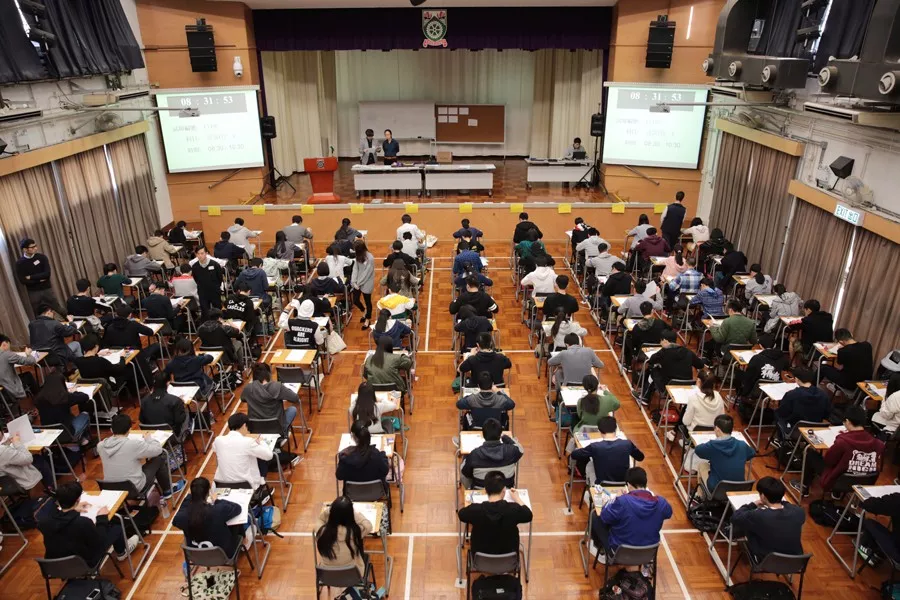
(652,245)
(854,452)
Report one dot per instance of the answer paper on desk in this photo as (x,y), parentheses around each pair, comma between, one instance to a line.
(829,435)
(369,511)
(158,435)
(878,491)
(46,437)
(473,122)
(746,355)
(242,499)
(480,496)
(269,440)
(95,502)
(881,391)
(22,426)
(176,302)
(463,110)
(114,357)
(776,391)
(296,355)
(347,441)
(739,500)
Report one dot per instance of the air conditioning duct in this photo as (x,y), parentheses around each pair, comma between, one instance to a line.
(876,74)
(871,117)
(730,60)
(22,114)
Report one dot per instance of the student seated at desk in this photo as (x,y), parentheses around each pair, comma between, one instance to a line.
(124,332)
(384,367)
(239,305)
(736,328)
(523,227)
(468,241)
(559,299)
(399,273)
(340,531)
(563,326)
(484,359)
(275,267)
(631,307)
(25,468)
(724,458)
(203,517)
(297,232)
(770,524)
(398,254)
(530,245)
(759,284)
(159,249)
(888,540)
(764,367)
(54,403)
(283,249)
(302,332)
(406,225)
(159,306)
(785,304)
(646,332)
(187,367)
(495,523)
(81,304)
(338,264)
(652,245)
(467,260)
(815,326)
(579,233)
(368,409)
(346,232)
(888,415)
(265,399)
(542,279)
(591,244)
(475,297)
(122,456)
(214,332)
(698,231)
(611,456)
(603,262)
(471,325)
(226,250)
(714,246)
(92,365)
(140,265)
(10,380)
(481,279)
(487,403)
(807,402)
(704,405)
(670,362)
(67,533)
(112,281)
(399,305)
(617,284)
(159,406)
(710,298)
(362,461)
(396,330)
(255,277)
(49,335)
(241,457)
(183,283)
(575,362)
(675,265)
(638,232)
(733,262)
(498,454)
(685,283)
(322,284)
(854,451)
(177,234)
(466,224)
(854,362)
(634,518)
(321,305)
(240,236)
(410,246)
(592,407)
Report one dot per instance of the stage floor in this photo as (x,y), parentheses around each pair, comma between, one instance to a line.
(509,186)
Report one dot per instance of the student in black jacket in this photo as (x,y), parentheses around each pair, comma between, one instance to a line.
(124,332)
(765,366)
(239,305)
(808,402)
(854,362)
(226,250)
(397,252)
(203,517)
(498,453)
(560,299)
(815,326)
(82,304)
(770,523)
(646,332)
(887,539)
(94,365)
(475,297)
(484,359)
(733,262)
(176,234)
(362,461)
(159,306)
(322,284)
(671,362)
(471,325)
(47,334)
(216,333)
(162,407)
(208,275)
(67,533)
(611,456)
(495,523)
(187,367)
(523,227)
(617,284)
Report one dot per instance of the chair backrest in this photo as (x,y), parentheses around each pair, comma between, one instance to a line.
(9,487)
(681,382)
(782,564)
(845,482)
(265,426)
(206,557)
(801,425)
(365,491)
(67,567)
(634,555)
(291,375)
(338,577)
(723,487)
(386,387)
(495,564)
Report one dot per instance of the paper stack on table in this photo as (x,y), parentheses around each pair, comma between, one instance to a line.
(239,497)
(877,491)
(739,500)
(776,391)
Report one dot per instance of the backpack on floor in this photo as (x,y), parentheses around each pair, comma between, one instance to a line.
(212,585)
(497,587)
(82,589)
(706,515)
(762,590)
(827,514)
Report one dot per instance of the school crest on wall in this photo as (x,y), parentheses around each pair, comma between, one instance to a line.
(434,26)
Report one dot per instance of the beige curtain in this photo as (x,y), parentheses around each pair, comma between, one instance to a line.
(135,188)
(29,207)
(95,216)
(812,267)
(871,305)
(568,88)
(13,315)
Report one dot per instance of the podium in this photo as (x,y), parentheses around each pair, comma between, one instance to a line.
(321,176)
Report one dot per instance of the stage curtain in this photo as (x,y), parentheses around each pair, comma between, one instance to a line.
(134,187)
(568,87)
(19,60)
(732,172)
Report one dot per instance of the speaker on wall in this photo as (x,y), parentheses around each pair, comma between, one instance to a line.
(267,127)
(660,43)
(598,123)
(201,47)
(842,167)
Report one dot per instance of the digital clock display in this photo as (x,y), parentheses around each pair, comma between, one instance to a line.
(210,104)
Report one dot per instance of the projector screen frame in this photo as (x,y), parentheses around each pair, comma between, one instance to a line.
(211,90)
(661,86)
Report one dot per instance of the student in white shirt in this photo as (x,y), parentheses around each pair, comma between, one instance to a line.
(698,231)
(337,262)
(704,403)
(542,279)
(241,455)
(888,415)
(407,225)
(410,245)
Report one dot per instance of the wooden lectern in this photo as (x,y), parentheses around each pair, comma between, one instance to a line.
(321,176)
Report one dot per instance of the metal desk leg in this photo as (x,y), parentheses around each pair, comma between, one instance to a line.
(528,553)
(257,542)
(851,569)
(141,542)
(584,544)
(17,534)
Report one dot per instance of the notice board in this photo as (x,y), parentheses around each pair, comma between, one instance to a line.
(470,123)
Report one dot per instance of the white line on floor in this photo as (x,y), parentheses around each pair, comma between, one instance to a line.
(409,565)
(428,318)
(678,577)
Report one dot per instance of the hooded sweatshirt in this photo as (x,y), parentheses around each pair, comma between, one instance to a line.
(257,280)
(804,404)
(266,400)
(543,279)
(160,249)
(699,233)
(16,462)
(786,305)
(701,410)
(356,465)
(274,266)
(855,452)
(672,269)
(494,455)
(754,288)
(495,525)
(484,405)
(67,533)
(603,263)
(239,235)
(122,458)
(652,245)
(398,304)
(483,304)
(635,518)
(138,265)
(470,328)
(491,362)
(727,457)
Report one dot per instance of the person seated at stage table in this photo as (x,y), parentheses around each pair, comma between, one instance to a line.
(466,225)
(484,359)
(475,297)
(770,524)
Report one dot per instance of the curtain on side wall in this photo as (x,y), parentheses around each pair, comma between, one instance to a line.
(134,186)
(732,172)
(871,305)
(568,88)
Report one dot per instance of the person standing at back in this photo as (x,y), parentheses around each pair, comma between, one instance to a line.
(209,275)
(368,149)
(33,271)
(390,147)
(671,220)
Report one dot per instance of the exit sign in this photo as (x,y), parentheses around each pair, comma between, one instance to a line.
(845,213)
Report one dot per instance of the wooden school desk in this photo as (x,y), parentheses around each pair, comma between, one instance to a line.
(190,395)
(770,393)
(114,501)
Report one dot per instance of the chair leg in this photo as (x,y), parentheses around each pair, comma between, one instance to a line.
(237,584)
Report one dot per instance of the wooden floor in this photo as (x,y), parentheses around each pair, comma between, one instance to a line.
(423,543)
(509,186)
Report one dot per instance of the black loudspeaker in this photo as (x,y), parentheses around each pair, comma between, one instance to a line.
(267,127)
(598,123)
(201,47)
(842,167)
(660,43)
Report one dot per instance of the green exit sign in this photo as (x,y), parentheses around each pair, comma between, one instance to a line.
(845,213)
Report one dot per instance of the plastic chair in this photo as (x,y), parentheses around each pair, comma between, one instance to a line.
(376,490)
(306,379)
(491,564)
(214,557)
(776,563)
(71,567)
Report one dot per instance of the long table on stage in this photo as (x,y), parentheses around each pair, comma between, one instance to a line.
(385,177)
(460,177)
(546,170)
(424,178)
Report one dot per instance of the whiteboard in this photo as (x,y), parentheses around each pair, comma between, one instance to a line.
(406,120)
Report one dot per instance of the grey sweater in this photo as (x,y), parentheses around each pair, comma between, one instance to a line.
(576,362)
(266,400)
(363,274)
(122,456)
(9,379)
(16,462)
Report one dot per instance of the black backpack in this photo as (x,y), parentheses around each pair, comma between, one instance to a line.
(497,587)
(82,589)
(706,515)
(762,590)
